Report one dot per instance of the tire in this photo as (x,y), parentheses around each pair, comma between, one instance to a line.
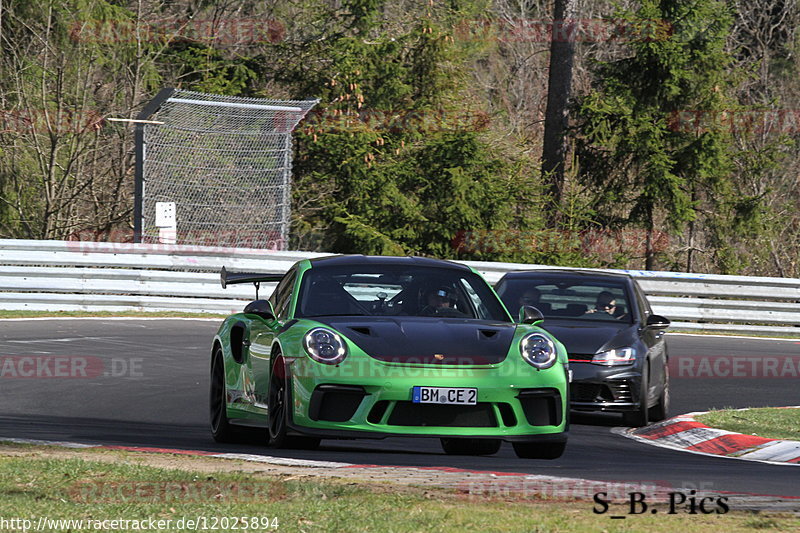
(544,450)
(456,446)
(221,429)
(278,412)
(638,417)
(660,411)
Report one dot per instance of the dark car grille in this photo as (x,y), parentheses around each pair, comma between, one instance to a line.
(584,392)
(594,392)
(424,414)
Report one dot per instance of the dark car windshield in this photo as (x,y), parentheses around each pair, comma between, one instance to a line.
(397,290)
(577,297)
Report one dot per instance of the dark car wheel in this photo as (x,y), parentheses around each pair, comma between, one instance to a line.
(278,412)
(638,417)
(456,446)
(660,411)
(533,450)
(221,429)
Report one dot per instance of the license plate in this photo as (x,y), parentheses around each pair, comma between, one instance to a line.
(445,395)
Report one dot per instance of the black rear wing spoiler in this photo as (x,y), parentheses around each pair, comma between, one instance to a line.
(231,278)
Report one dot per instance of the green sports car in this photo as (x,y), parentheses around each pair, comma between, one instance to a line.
(373,347)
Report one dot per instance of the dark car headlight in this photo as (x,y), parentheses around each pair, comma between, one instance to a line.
(617,356)
(538,350)
(325,346)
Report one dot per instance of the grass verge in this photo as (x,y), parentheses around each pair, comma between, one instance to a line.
(78,485)
(768,422)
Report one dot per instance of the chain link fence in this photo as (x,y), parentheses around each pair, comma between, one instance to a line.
(226,164)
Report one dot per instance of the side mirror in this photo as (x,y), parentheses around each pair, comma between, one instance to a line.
(260,308)
(530,315)
(657,322)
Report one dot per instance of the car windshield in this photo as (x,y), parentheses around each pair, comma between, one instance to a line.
(397,290)
(569,297)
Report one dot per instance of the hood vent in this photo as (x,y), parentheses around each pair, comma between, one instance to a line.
(428,340)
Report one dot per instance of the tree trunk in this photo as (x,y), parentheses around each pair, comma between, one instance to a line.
(559,87)
(649,252)
(690,251)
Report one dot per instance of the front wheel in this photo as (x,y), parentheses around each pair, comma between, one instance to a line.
(660,411)
(638,417)
(544,450)
(456,446)
(278,412)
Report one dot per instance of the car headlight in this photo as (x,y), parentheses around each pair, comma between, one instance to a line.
(325,346)
(618,356)
(538,350)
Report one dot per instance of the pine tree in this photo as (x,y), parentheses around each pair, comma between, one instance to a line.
(651,139)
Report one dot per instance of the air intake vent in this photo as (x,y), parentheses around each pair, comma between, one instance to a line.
(542,407)
(335,403)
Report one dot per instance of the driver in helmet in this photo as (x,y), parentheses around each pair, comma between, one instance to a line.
(440,298)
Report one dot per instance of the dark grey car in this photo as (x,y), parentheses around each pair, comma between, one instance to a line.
(617,351)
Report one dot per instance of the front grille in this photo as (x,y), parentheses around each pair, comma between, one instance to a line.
(542,407)
(619,391)
(584,392)
(431,414)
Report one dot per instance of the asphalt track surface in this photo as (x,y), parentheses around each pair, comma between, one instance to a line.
(147,385)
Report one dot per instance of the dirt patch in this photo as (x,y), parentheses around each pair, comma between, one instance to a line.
(439,483)
(382,479)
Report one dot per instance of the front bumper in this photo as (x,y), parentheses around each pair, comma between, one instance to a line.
(608,389)
(367,398)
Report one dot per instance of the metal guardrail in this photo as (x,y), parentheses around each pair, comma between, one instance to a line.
(89,276)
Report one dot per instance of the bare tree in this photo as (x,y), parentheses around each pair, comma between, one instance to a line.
(64,170)
(559,89)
